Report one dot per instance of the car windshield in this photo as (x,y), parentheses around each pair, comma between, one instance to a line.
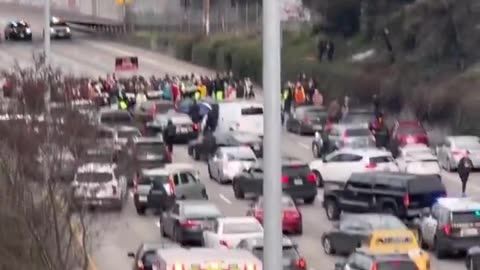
(151,147)
(116,118)
(128,133)
(289,254)
(292,171)
(241,227)
(200,211)
(241,155)
(357,132)
(355,225)
(93,177)
(150,163)
(397,265)
(466,217)
(425,184)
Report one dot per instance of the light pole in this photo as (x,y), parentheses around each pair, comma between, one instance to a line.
(46,33)
(272,186)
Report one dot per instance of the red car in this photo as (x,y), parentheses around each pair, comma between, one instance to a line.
(409,132)
(292,217)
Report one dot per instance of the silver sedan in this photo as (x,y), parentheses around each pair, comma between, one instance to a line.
(229,161)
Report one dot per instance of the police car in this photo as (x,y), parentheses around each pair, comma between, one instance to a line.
(98,184)
(452,225)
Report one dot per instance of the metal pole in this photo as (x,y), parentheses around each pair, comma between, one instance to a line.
(272,136)
(46,32)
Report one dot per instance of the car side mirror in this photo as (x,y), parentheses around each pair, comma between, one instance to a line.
(339,265)
(131,255)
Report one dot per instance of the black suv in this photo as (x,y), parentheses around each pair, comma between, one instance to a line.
(400,194)
(297,181)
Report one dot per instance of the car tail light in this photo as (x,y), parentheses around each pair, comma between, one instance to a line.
(250,266)
(223,243)
(301,263)
(284,179)
(312,177)
(406,200)
(114,190)
(447,229)
(259,214)
(195,127)
(178,266)
(374,266)
(189,223)
(371,165)
(291,214)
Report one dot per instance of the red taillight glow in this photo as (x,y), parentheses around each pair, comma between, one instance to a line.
(301,263)
(189,223)
(178,266)
(371,165)
(312,177)
(285,179)
(291,214)
(258,214)
(195,127)
(374,266)
(223,243)
(447,229)
(406,200)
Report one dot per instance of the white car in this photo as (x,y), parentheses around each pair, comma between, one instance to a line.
(97,184)
(339,165)
(229,231)
(453,148)
(229,161)
(418,159)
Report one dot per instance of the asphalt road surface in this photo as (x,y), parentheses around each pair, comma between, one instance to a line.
(115,234)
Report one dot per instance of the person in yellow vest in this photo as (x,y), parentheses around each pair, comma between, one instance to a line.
(197,95)
(202,88)
(123,104)
(219,95)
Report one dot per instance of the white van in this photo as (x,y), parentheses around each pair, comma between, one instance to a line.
(241,116)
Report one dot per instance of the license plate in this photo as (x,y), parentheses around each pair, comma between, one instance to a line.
(298,182)
(142,198)
(183,130)
(61,34)
(469,232)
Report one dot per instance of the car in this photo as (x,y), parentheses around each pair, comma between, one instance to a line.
(59,29)
(297,181)
(230,161)
(18,30)
(158,188)
(243,116)
(400,194)
(353,230)
(418,159)
(358,116)
(453,148)
(123,133)
(407,132)
(100,154)
(472,260)
(307,119)
(198,151)
(343,136)
(100,185)
(146,255)
(145,112)
(148,147)
(186,130)
(291,219)
(291,258)
(115,117)
(227,232)
(366,260)
(186,220)
(452,225)
(399,241)
(339,165)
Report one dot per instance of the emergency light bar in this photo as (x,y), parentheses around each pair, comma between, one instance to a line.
(214,266)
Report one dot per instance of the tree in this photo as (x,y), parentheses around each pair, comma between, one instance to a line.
(41,226)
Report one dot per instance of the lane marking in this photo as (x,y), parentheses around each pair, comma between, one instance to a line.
(225,199)
(304,145)
(157,223)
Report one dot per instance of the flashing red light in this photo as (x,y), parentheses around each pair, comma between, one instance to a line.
(301,263)
(371,165)
(195,127)
(312,177)
(284,179)
(406,200)
(189,223)
(447,229)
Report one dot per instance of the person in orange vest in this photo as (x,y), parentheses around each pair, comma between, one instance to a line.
(299,94)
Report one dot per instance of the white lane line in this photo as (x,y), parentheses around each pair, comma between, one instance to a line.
(225,199)
(157,223)
(304,145)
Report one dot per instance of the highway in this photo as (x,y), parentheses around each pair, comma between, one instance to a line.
(115,234)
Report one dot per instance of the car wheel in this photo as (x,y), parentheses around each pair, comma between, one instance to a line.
(309,200)
(327,246)
(319,178)
(315,150)
(237,191)
(331,209)
(141,210)
(439,252)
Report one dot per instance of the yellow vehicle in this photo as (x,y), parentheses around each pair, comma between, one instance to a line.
(399,241)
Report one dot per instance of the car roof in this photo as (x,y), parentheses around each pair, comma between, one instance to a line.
(365,152)
(237,219)
(259,241)
(112,111)
(236,149)
(170,168)
(143,139)
(459,204)
(96,167)
(415,146)
(311,108)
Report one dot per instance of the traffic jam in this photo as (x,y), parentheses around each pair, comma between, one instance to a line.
(387,207)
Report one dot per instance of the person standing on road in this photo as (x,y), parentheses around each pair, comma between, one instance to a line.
(169,135)
(465,166)
(210,143)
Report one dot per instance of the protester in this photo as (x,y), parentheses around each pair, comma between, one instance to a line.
(169,135)
(317,98)
(465,166)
